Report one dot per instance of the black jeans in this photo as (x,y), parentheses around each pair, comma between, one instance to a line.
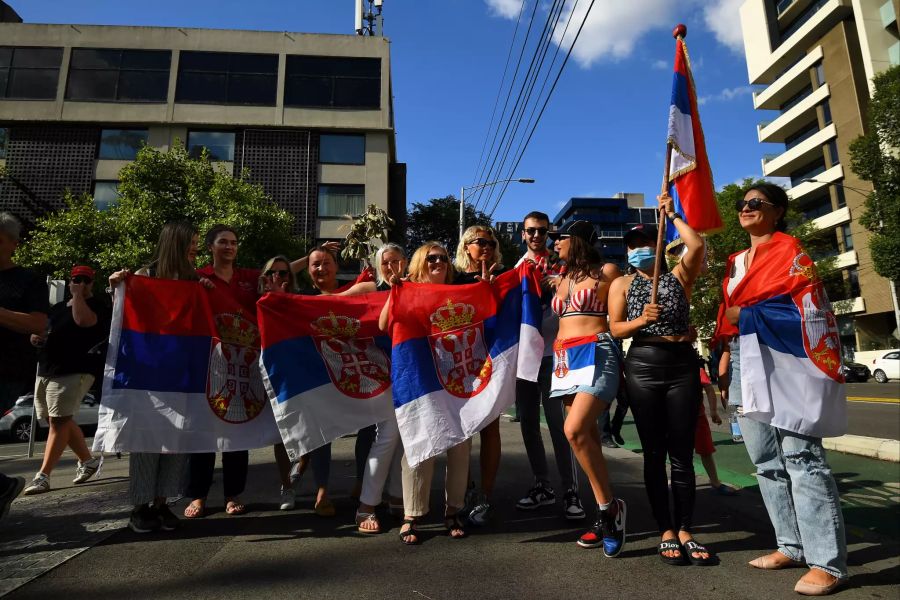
(663,382)
(200,473)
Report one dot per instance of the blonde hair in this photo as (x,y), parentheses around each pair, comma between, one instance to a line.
(292,281)
(463,261)
(170,260)
(390,246)
(418,264)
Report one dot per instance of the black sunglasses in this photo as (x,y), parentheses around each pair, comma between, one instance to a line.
(752,204)
(280,272)
(481,243)
(437,258)
(541,231)
(82,279)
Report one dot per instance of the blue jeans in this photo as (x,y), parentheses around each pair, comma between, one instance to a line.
(800,494)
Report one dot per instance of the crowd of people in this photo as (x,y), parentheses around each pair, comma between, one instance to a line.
(589,307)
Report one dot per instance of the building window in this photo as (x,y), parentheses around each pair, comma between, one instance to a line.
(796,99)
(319,81)
(227,78)
(106,194)
(111,75)
(29,73)
(839,192)
(341,200)
(801,136)
(219,144)
(808,172)
(342,149)
(833,152)
(853,281)
(816,207)
(826,114)
(820,75)
(4,138)
(848,237)
(121,144)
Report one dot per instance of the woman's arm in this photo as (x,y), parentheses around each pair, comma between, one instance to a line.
(301,264)
(366,287)
(691,262)
(383,317)
(619,325)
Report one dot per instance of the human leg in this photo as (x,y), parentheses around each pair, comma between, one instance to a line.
(234,479)
(283,461)
(416,496)
(320,458)
(490,456)
(378,464)
(200,467)
(528,406)
(581,431)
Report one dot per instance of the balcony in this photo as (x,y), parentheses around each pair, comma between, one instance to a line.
(833,219)
(833,174)
(765,69)
(786,86)
(783,164)
(789,9)
(850,306)
(846,259)
(792,121)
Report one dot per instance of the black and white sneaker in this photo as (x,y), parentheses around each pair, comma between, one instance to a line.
(167,519)
(613,528)
(572,509)
(539,495)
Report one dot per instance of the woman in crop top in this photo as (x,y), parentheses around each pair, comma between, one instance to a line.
(586,369)
(662,378)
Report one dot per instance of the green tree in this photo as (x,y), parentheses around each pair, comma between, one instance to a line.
(875,157)
(156,188)
(438,219)
(707,292)
(374,224)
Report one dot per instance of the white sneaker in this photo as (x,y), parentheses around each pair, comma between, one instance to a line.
(85,470)
(39,485)
(288,499)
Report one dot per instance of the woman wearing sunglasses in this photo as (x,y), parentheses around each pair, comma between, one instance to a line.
(785,441)
(478,257)
(431,264)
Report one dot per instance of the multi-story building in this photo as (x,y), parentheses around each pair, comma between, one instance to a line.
(813,61)
(611,218)
(310,116)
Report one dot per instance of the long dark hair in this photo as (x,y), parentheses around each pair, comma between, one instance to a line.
(583,259)
(777,196)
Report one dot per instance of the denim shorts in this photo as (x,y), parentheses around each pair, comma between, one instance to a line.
(605,384)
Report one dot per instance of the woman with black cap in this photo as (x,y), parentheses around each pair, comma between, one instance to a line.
(586,370)
(662,378)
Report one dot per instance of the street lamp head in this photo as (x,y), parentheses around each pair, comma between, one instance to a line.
(525,180)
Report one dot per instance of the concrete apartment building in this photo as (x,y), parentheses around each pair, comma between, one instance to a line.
(813,61)
(309,115)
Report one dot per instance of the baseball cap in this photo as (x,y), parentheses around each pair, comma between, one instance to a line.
(82,270)
(579,229)
(647,232)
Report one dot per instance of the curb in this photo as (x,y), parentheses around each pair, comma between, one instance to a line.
(871,447)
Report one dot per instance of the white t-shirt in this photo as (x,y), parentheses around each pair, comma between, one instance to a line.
(739,270)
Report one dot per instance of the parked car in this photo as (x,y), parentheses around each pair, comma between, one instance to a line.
(16,422)
(887,367)
(855,372)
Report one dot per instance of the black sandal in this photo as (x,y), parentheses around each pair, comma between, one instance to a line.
(411,532)
(452,523)
(671,544)
(691,547)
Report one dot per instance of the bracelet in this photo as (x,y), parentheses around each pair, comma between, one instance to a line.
(671,218)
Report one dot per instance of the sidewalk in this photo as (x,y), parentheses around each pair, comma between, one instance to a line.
(273,554)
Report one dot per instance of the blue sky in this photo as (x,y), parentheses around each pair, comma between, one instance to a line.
(604,129)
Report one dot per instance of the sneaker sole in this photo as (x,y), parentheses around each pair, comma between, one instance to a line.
(536,506)
(622,546)
(79,480)
(574,517)
(165,527)
(35,492)
(137,529)
(589,546)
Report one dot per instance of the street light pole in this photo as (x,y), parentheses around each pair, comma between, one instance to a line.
(462,197)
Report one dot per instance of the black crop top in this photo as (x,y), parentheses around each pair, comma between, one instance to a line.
(673,305)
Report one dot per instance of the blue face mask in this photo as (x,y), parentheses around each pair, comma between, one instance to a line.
(642,258)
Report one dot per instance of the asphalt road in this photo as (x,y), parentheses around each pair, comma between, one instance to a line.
(872,389)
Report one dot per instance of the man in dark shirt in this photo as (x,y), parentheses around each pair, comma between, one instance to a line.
(71,357)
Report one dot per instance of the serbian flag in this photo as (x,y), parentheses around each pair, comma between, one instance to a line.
(690,178)
(457,351)
(790,350)
(181,373)
(326,366)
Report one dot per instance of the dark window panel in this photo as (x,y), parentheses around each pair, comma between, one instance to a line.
(37,58)
(308,91)
(201,87)
(254,63)
(92,85)
(146,59)
(143,86)
(252,89)
(95,58)
(342,149)
(341,200)
(203,61)
(121,144)
(4,77)
(357,93)
(334,67)
(35,84)
(4,138)
(219,143)
(5,56)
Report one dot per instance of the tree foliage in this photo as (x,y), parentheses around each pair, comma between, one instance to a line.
(374,224)
(875,157)
(438,219)
(156,188)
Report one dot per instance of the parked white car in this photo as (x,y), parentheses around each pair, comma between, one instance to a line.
(16,422)
(887,367)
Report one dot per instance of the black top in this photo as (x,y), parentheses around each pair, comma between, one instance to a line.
(464,278)
(673,305)
(71,348)
(22,291)
(382,287)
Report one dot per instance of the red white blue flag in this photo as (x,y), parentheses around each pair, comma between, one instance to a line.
(690,177)
(326,366)
(182,373)
(457,351)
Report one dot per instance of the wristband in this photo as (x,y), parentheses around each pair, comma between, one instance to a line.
(671,218)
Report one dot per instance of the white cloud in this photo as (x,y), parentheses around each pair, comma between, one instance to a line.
(724,19)
(508,9)
(662,65)
(726,94)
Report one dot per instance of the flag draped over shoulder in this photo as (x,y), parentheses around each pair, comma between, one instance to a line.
(457,351)
(790,353)
(182,373)
(690,177)
(326,366)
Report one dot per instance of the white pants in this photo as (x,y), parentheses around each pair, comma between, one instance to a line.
(384,459)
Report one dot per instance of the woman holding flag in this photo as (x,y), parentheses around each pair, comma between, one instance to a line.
(782,341)
(586,371)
